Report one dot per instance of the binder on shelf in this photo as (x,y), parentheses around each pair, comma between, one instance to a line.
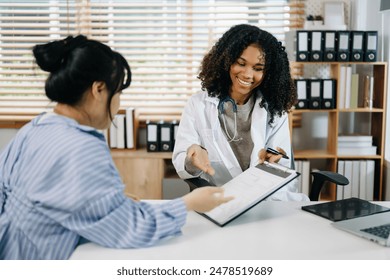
(166,141)
(370,179)
(362,180)
(329,45)
(355,178)
(302,87)
(303,38)
(328,98)
(316,46)
(368,92)
(120,131)
(357,47)
(131,130)
(113,133)
(348,81)
(340,188)
(315,94)
(370,45)
(174,128)
(354,91)
(347,190)
(341,86)
(152,136)
(343,43)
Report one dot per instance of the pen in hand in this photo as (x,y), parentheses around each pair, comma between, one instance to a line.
(275,152)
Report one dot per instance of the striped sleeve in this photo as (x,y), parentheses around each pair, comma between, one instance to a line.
(118,222)
(86,196)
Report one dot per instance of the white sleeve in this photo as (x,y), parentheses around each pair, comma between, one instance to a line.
(187,135)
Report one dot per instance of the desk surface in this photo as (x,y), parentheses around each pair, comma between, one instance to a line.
(271,230)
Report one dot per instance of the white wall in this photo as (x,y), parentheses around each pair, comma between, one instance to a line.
(386,56)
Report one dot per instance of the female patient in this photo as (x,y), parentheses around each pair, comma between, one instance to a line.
(58,183)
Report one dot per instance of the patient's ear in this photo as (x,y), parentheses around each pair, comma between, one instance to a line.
(97,90)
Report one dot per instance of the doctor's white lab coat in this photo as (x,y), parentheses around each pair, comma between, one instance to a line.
(199,124)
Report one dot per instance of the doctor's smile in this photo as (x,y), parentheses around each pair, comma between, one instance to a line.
(243,82)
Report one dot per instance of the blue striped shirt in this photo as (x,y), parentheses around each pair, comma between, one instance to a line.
(59,185)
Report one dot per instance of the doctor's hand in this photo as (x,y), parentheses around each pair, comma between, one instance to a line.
(270,157)
(200,159)
(205,199)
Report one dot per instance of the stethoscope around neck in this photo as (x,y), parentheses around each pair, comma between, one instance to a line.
(221,111)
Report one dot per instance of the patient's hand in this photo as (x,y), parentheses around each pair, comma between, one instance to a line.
(205,199)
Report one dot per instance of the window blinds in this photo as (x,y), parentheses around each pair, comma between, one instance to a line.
(163,41)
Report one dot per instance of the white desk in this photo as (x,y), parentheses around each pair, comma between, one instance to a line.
(271,230)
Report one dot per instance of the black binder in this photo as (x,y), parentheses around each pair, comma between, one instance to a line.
(303,88)
(165,130)
(303,40)
(329,45)
(328,98)
(152,136)
(315,94)
(343,42)
(316,46)
(174,128)
(370,45)
(357,39)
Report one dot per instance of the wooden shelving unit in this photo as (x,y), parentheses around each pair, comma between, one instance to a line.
(375,116)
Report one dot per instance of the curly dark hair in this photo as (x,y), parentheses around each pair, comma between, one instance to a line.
(277,88)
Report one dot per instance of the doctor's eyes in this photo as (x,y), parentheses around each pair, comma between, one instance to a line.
(257,67)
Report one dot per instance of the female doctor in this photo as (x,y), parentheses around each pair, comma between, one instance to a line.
(247,93)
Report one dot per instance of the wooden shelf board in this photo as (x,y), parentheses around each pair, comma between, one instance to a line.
(139,153)
(312,154)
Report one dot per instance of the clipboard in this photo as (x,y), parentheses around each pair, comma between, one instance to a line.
(345,209)
(250,188)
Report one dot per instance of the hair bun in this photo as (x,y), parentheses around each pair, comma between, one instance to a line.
(71,43)
(50,56)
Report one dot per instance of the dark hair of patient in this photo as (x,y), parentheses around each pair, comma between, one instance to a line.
(75,63)
(277,87)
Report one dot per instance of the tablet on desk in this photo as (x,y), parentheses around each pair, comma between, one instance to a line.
(250,188)
(345,209)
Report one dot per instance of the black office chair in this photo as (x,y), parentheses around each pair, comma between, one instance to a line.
(319,179)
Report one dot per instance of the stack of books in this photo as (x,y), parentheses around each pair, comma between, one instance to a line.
(122,133)
(304,181)
(361,175)
(355,145)
(356,90)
